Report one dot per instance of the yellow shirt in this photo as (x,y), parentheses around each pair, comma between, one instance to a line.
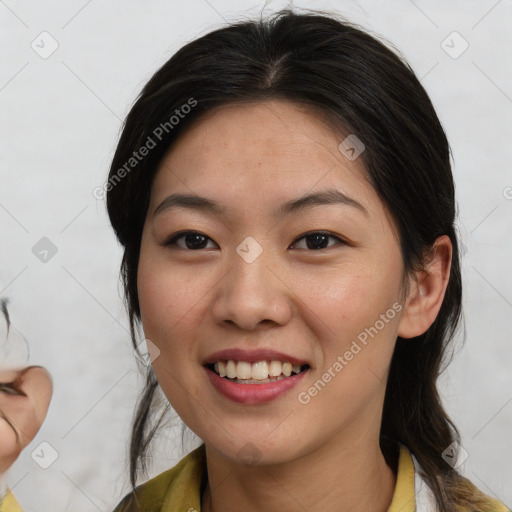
(9,504)
(180,488)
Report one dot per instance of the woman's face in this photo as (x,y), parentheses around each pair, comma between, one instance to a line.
(24,399)
(257,283)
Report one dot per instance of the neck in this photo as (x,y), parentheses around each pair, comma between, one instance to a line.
(338,477)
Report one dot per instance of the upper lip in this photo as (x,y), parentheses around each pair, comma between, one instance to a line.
(252,356)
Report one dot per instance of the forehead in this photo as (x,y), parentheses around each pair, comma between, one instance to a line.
(261,154)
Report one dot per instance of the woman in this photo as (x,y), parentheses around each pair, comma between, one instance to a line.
(283,194)
(25,394)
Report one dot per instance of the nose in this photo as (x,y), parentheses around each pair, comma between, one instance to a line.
(252,294)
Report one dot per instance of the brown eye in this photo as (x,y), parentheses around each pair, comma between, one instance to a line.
(194,240)
(317,240)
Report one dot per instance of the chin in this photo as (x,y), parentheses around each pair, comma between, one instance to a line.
(251,450)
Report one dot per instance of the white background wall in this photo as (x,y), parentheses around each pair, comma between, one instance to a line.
(60,121)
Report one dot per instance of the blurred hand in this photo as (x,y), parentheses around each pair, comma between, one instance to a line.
(25,396)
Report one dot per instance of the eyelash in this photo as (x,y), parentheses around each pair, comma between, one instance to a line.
(172,240)
(10,388)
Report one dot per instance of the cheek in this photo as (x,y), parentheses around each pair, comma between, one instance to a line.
(21,413)
(352,297)
(157,289)
(166,297)
(8,445)
(359,308)
(172,303)
(359,311)
(171,313)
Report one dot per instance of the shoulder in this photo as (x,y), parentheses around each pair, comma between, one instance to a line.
(149,496)
(477,500)
(170,487)
(8,503)
(468,497)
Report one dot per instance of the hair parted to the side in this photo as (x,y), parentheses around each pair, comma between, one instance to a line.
(351,78)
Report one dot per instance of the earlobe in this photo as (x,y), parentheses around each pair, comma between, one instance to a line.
(426,291)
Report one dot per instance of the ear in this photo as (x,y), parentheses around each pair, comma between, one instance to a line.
(426,291)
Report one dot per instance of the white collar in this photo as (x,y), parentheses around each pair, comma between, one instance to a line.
(425,500)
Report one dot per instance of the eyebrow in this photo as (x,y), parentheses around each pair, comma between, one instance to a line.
(324,197)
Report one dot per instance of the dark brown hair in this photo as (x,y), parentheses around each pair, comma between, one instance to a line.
(349,76)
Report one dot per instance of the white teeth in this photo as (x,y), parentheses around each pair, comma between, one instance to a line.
(274,370)
(287,369)
(231,369)
(243,370)
(260,370)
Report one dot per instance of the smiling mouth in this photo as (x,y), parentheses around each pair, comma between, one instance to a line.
(261,372)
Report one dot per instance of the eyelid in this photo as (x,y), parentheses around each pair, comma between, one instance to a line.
(12,388)
(170,241)
(328,234)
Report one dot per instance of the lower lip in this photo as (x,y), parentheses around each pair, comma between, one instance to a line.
(253,393)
